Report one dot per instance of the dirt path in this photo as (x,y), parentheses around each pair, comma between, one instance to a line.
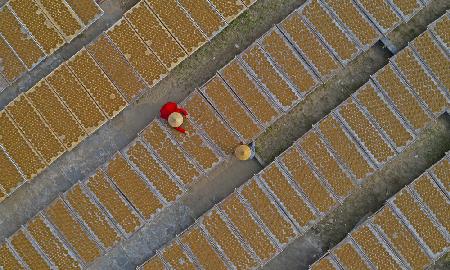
(319,103)
(442,264)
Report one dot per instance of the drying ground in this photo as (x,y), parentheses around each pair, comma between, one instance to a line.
(193,72)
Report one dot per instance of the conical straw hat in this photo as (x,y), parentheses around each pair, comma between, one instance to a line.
(175,119)
(243,152)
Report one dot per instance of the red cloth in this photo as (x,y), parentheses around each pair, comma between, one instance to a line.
(169,108)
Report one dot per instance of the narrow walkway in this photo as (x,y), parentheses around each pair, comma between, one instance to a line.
(442,264)
(319,103)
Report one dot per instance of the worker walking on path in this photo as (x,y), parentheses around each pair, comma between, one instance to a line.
(244,151)
(174,115)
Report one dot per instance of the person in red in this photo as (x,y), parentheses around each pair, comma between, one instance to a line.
(174,115)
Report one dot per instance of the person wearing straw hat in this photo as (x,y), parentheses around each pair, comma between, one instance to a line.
(174,116)
(244,151)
